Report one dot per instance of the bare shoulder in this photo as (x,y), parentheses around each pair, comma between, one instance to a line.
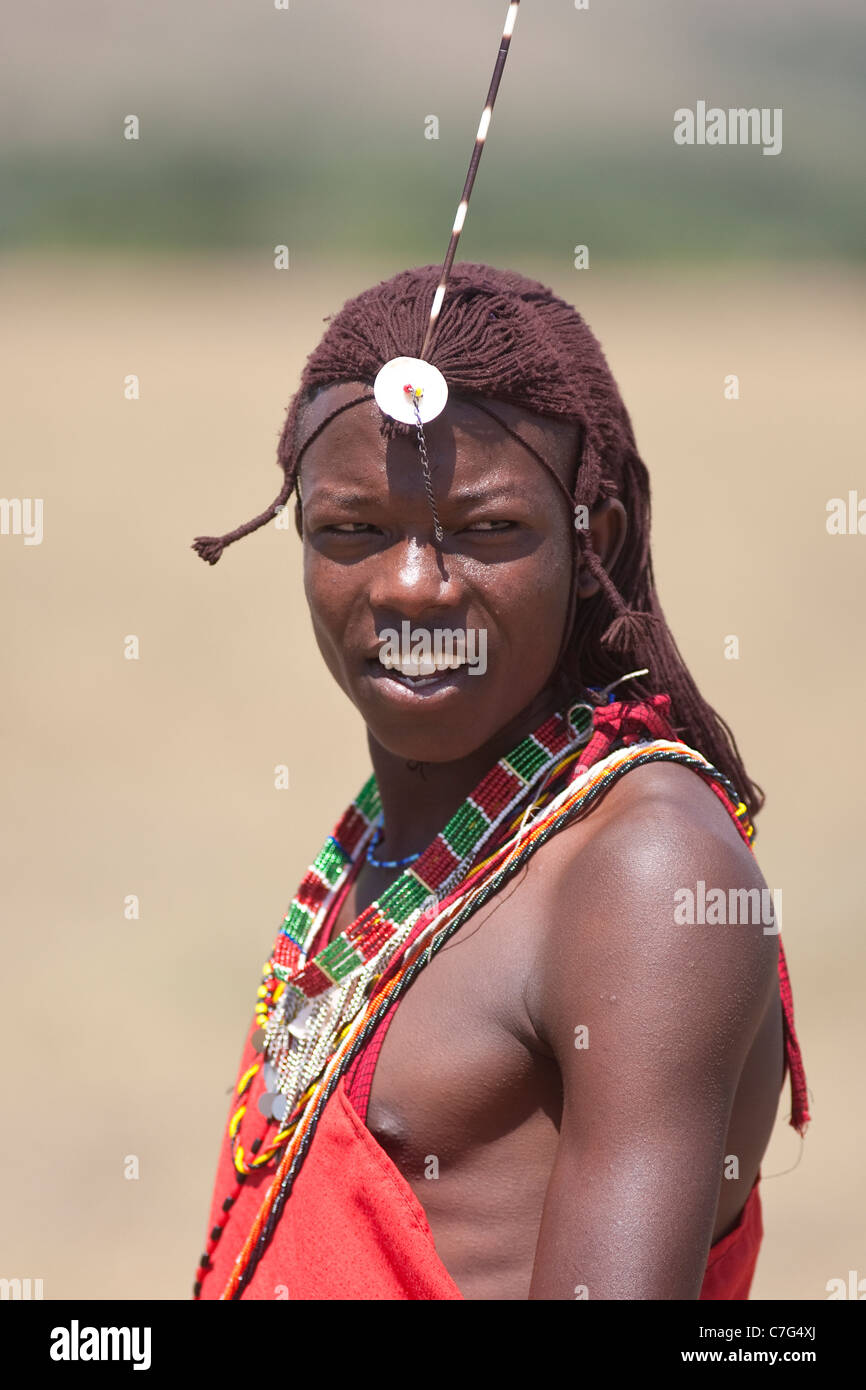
(656,818)
(614,925)
(670,790)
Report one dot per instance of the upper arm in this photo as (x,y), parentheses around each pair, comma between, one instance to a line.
(668,1013)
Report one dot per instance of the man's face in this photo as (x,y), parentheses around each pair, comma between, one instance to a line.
(502,572)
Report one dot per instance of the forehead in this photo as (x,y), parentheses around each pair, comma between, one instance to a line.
(463,441)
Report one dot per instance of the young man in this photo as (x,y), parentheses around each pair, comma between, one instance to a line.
(493,1057)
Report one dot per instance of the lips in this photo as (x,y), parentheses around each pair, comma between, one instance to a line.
(419,682)
(397,684)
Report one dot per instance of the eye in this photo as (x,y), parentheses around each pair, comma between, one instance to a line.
(488,526)
(350,528)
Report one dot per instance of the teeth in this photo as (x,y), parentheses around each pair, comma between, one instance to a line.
(414,669)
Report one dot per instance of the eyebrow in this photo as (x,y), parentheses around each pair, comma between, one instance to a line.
(359,499)
(494,494)
(342,499)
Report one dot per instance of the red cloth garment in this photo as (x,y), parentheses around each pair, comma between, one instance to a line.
(353,1227)
(731,1264)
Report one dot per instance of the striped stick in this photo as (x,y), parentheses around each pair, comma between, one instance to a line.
(484,125)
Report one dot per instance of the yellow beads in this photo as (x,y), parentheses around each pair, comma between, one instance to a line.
(247,1077)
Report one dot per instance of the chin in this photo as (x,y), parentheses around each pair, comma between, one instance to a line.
(440,720)
(435,749)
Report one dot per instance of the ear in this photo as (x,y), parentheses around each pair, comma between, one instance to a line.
(608,524)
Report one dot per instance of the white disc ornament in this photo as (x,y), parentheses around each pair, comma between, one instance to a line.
(403,377)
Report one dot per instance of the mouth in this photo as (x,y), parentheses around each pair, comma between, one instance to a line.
(417,678)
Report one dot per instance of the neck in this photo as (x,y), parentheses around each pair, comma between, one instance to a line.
(418,800)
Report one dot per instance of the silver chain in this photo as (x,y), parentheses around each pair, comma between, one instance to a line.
(425,464)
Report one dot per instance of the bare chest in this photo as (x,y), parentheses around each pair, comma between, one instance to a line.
(459,1050)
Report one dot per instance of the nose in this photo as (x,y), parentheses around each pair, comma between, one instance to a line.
(412,580)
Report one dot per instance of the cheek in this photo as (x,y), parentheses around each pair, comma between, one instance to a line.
(326,601)
(326,588)
(557,581)
(533,601)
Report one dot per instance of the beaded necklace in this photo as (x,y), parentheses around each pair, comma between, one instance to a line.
(304,1003)
(388,863)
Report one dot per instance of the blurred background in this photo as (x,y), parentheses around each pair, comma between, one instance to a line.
(154,777)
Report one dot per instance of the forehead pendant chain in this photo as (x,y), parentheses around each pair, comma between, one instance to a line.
(415,393)
(411,389)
